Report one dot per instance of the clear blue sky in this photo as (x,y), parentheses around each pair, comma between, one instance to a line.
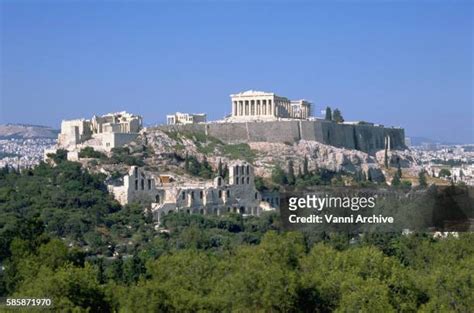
(396,63)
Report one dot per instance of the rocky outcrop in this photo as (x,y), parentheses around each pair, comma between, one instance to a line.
(167,149)
(365,137)
(318,155)
(403,158)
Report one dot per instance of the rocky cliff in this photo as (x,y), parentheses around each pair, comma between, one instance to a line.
(168,146)
(364,137)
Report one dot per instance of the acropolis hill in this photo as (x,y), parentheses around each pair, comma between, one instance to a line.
(263,131)
(363,137)
(258,116)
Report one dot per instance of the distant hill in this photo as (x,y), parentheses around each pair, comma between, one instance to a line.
(418,141)
(22,131)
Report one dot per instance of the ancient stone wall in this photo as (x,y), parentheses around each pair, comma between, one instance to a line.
(367,138)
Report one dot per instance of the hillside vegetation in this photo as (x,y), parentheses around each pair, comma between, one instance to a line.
(63,237)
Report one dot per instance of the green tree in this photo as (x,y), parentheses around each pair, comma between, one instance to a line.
(396,180)
(220,170)
(444,173)
(369,175)
(59,156)
(291,173)
(259,183)
(279,176)
(406,184)
(328,116)
(399,170)
(337,116)
(262,278)
(89,152)
(368,295)
(205,169)
(226,172)
(71,289)
(133,268)
(186,162)
(305,166)
(422,179)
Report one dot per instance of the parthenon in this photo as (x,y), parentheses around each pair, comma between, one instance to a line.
(262,105)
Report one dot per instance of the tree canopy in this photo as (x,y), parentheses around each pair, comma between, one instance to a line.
(63,237)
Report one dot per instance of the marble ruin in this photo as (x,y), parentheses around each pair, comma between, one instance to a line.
(185,118)
(237,195)
(260,105)
(257,116)
(101,132)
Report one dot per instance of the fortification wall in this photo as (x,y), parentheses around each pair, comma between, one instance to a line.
(275,131)
(367,138)
(229,132)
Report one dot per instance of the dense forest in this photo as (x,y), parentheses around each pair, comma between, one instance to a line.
(62,236)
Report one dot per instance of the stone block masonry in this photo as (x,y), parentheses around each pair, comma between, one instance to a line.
(363,137)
